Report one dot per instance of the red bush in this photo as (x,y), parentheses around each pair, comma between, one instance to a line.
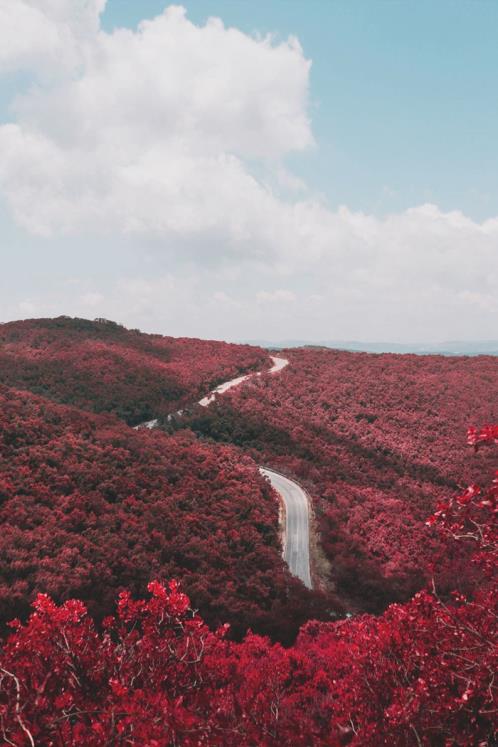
(422,674)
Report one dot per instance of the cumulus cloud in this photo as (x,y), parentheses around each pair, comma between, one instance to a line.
(174,137)
(153,135)
(46,36)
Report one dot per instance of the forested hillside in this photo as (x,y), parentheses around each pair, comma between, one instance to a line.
(376,439)
(89,506)
(102,366)
(94,513)
(421,674)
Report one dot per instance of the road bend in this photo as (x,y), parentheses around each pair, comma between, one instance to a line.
(297,530)
(278,365)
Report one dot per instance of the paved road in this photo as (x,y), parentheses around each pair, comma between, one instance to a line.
(278,365)
(297,531)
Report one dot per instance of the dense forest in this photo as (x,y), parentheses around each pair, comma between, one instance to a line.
(423,673)
(102,366)
(228,648)
(89,506)
(376,439)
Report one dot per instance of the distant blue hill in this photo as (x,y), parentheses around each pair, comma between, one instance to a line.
(450,347)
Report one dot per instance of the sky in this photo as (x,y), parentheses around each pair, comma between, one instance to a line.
(278,169)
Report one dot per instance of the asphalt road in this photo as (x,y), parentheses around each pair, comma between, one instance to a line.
(297,531)
(278,365)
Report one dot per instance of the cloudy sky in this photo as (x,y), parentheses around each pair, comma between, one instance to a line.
(271,169)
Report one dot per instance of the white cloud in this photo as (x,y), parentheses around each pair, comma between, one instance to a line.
(276,297)
(161,135)
(225,301)
(152,136)
(27,308)
(92,299)
(46,36)
(485,301)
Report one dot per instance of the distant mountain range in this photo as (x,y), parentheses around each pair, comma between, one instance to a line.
(450,347)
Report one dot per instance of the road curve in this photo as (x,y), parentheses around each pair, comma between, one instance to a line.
(297,532)
(278,365)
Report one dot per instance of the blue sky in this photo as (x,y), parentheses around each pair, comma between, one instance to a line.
(403,94)
(201,178)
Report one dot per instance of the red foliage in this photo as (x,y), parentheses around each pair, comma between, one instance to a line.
(487,434)
(89,506)
(422,674)
(376,439)
(472,514)
(102,366)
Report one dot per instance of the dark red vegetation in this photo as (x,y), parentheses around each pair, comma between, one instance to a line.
(89,506)
(473,515)
(376,439)
(92,511)
(422,674)
(102,366)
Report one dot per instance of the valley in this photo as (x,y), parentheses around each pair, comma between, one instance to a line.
(97,511)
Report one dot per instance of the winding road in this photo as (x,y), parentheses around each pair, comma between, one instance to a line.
(297,531)
(296,540)
(278,365)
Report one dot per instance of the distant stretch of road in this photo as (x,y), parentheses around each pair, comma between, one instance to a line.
(278,364)
(297,531)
